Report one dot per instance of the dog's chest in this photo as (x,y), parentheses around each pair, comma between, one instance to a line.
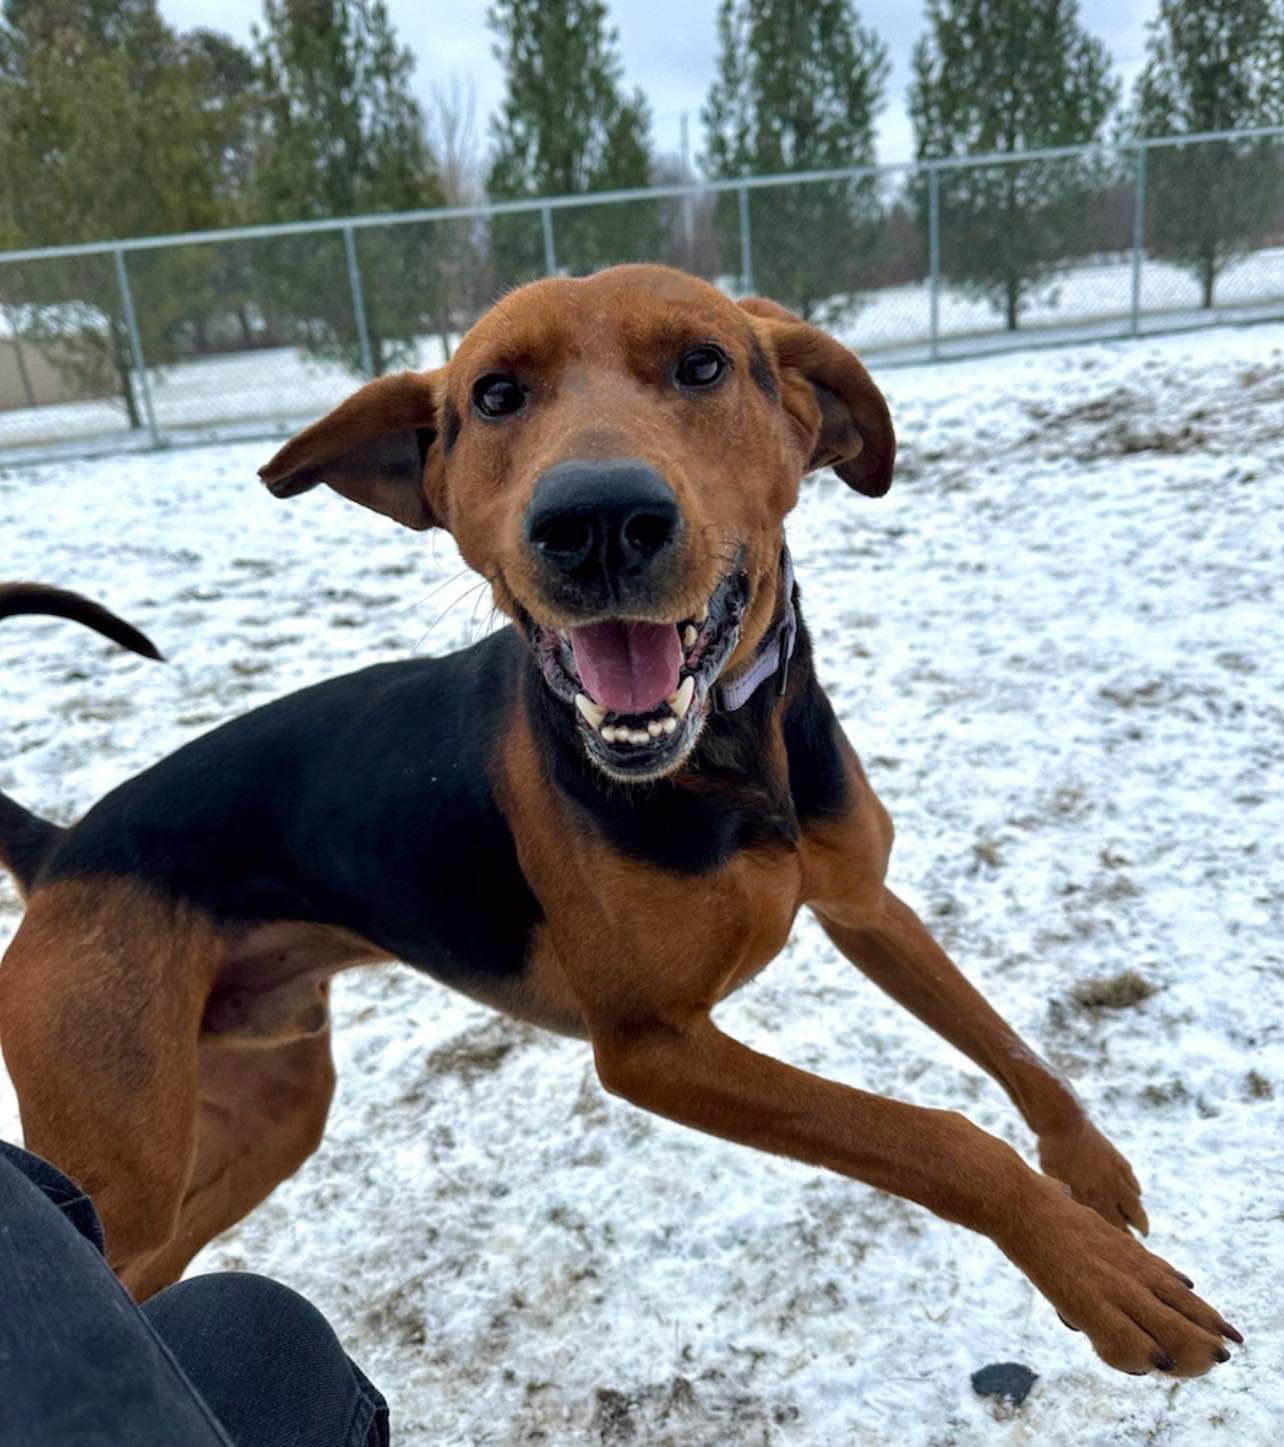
(639,939)
(766,897)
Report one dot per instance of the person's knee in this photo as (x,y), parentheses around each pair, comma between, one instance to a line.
(255,1308)
(256,1351)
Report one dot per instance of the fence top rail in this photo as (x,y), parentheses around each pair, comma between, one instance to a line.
(608,198)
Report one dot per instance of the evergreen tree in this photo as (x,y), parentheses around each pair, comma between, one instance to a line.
(453,140)
(26,26)
(1008,76)
(224,312)
(102,136)
(342,135)
(224,77)
(798,87)
(1212,65)
(565,128)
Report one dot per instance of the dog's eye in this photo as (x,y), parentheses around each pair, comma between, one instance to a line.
(701,367)
(496,395)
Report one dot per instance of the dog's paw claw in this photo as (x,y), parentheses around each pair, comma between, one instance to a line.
(1134,1308)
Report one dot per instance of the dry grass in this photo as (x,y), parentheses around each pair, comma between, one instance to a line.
(1112,992)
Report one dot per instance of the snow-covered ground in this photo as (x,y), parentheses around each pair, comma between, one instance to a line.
(1057,646)
(252,394)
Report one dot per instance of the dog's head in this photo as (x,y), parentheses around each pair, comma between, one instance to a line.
(615,455)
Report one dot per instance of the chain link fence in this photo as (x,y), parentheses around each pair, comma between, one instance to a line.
(162,341)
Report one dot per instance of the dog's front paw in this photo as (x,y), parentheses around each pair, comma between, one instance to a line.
(1138,1312)
(1098,1176)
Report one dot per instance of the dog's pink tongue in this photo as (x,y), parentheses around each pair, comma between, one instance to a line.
(628,667)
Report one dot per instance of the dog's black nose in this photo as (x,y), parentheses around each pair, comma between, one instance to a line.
(602,522)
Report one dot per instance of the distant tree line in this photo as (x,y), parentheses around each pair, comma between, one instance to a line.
(113,124)
(1006,76)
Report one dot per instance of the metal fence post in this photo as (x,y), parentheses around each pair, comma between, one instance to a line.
(746,242)
(136,345)
(934,259)
(1138,238)
(921,181)
(550,252)
(358,302)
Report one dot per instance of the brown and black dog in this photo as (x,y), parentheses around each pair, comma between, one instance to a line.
(603,818)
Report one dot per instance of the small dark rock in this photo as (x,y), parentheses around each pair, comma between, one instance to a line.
(1009,1380)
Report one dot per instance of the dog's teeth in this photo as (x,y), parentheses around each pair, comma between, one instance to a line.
(655,728)
(593,713)
(680,701)
(639,736)
(669,725)
(702,616)
(610,735)
(689,638)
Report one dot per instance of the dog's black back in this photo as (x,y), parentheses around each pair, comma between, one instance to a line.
(366,801)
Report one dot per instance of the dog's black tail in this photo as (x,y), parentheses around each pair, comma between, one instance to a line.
(16,598)
(26,840)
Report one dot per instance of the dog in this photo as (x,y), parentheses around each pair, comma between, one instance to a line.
(602,818)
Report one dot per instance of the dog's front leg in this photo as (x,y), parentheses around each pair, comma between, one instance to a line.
(887,941)
(1137,1310)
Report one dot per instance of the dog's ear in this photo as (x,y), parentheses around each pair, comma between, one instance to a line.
(840,415)
(378,448)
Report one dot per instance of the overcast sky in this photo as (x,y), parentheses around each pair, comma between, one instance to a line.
(668,48)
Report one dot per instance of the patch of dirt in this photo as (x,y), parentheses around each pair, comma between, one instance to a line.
(1112,992)
(479,1051)
(686,1413)
(1124,439)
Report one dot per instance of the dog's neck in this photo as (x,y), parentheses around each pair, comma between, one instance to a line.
(734,791)
(771,661)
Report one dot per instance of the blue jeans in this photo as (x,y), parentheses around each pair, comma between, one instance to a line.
(227,1360)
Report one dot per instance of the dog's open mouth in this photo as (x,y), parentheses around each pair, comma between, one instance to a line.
(641,690)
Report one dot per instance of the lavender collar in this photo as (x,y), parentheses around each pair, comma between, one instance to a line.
(774,653)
